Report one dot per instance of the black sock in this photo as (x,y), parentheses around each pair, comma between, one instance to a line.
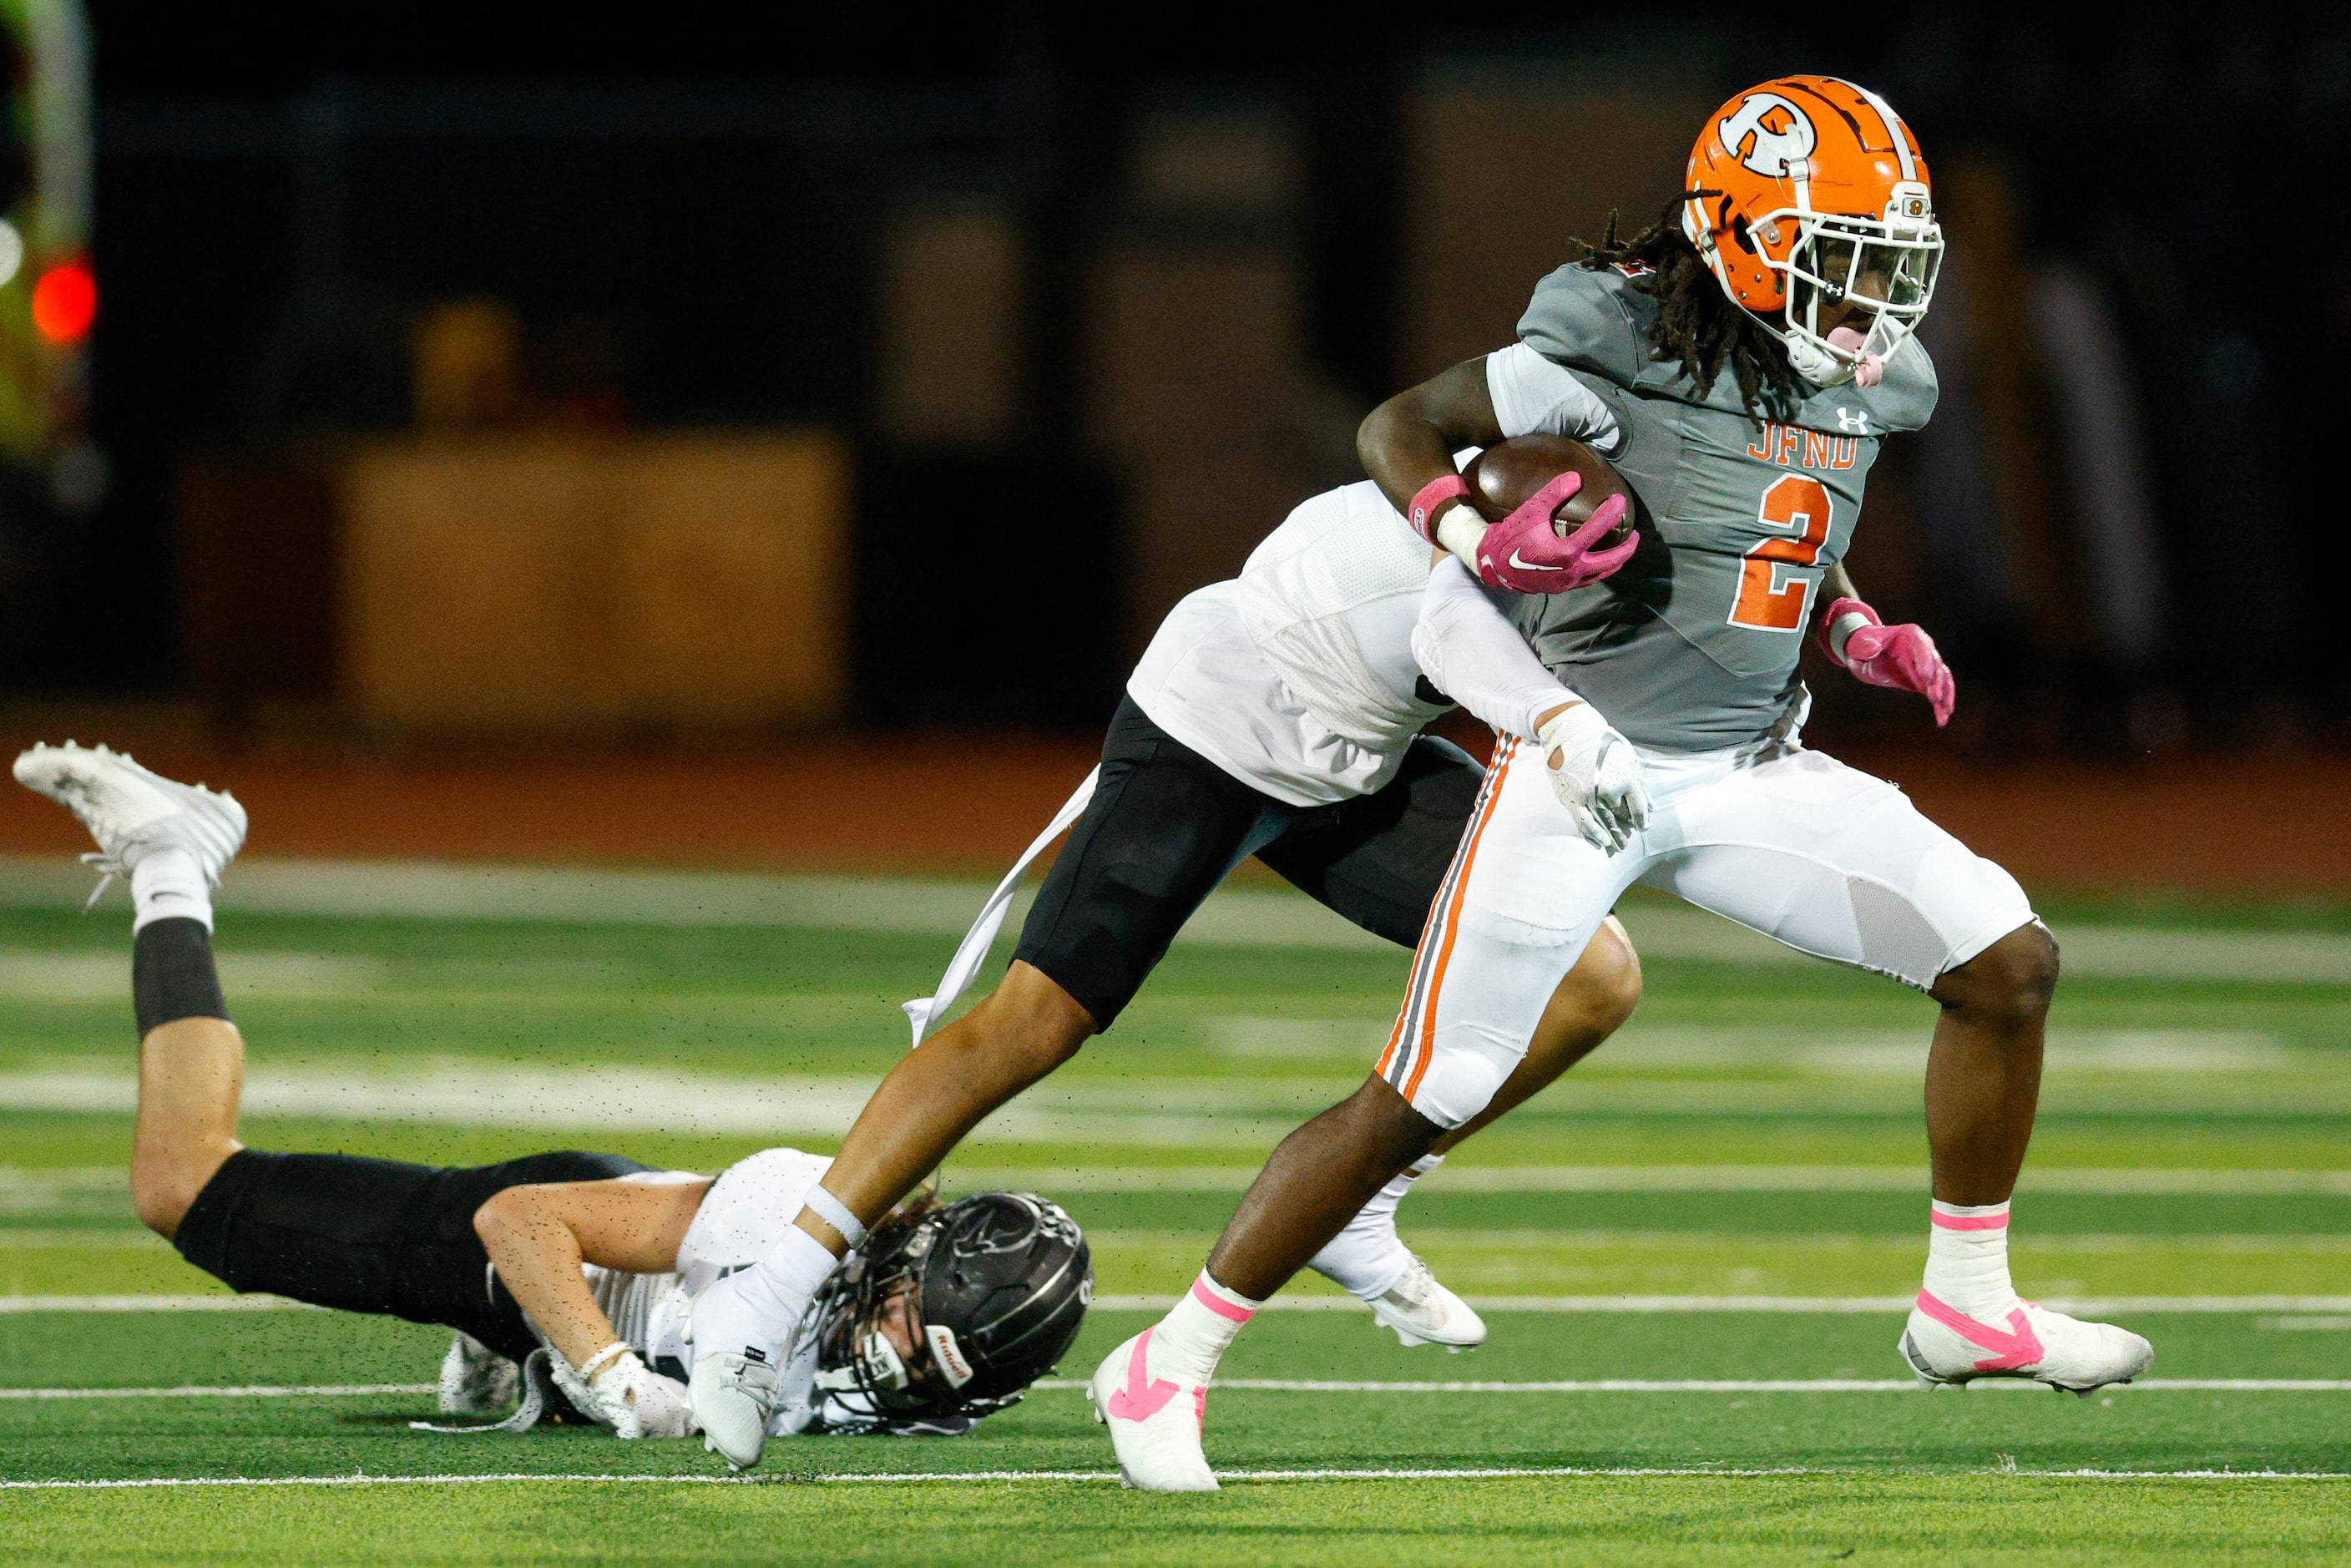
(172,974)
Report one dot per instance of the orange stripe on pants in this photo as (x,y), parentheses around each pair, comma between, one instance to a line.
(1434,931)
(1453,921)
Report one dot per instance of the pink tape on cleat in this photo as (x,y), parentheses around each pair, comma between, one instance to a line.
(1140,1400)
(2011,1351)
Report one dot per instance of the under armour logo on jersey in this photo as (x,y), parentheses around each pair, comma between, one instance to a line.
(1782,136)
(1855,420)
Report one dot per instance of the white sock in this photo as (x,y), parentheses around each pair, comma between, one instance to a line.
(169,884)
(1967,1260)
(1368,1258)
(1188,1341)
(779,1286)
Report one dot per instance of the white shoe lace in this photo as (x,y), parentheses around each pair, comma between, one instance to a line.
(1413,1291)
(108,869)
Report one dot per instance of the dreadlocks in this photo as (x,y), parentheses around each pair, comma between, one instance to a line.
(1695,322)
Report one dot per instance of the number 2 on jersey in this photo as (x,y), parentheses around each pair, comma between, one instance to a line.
(1771,597)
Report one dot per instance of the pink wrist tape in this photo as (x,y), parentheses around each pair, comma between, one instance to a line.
(1433,495)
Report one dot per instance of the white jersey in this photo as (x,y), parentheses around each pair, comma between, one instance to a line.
(742,1218)
(1297,677)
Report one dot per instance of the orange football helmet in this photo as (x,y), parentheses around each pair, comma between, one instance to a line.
(1810,200)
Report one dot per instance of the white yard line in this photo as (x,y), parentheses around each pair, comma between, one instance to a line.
(950,1477)
(84,1238)
(12,1305)
(1521,1240)
(202,1391)
(1828,1304)
(1247,917)
(477,1093)
(1741,1385)
(1857,1305)
(1450,1177)
(27,1189)
(1243,1110)
(1323,1385)
(2085,1182)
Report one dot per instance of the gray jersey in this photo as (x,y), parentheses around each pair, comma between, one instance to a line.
(1693,645)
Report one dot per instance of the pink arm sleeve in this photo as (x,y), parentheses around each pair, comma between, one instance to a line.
(1468,649)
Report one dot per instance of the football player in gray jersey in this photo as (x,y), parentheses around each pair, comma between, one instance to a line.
(1278,714)
(1748,354)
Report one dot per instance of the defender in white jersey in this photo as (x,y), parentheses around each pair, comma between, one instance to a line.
(1275,715)
(1749,351)
(946,1313)
(569,1278)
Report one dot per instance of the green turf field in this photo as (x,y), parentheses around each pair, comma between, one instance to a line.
(1726,1199)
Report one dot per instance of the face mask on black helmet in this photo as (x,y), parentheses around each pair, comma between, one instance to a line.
(949,1313)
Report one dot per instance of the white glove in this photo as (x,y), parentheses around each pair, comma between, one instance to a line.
(618,1391)
(1596,774)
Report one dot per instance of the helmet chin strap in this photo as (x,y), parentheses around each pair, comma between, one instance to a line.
(1815,364)
(878,1361)
(1824,368)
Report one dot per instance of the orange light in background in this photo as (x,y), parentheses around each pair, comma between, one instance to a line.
(65,302)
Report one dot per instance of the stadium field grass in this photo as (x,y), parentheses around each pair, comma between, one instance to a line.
(1642,1519)
(1789,1091)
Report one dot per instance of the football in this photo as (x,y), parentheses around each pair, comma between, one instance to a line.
(1504,475)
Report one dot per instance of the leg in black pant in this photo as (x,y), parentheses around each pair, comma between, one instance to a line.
(372,1236)
(336,1230)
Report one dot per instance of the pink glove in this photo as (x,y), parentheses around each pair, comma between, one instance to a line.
(1902,657)
(1525,554)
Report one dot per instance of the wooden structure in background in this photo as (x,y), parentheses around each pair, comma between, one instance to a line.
(254,558)
(1507,160)
(540,581)
(1198,384)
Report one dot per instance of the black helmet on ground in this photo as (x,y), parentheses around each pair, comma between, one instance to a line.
(950,1312)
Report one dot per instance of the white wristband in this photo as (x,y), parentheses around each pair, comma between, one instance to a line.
(611,1352)
(1841,632)
(835,1213)
(1459,529)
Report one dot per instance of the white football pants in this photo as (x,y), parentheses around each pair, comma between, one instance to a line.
(1794,844)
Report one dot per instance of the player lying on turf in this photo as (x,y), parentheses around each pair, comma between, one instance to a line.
(1741,367)
(580,1267)
(1276,715)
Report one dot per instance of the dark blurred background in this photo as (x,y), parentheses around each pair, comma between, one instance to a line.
(649,372)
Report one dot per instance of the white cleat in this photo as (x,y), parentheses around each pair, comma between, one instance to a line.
(1423,1311)
(736,1380)
(1154,1422)
(733,1395)
(132,810)
(477,1380)
(1943,1345)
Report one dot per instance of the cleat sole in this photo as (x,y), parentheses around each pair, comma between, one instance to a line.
(1411,1341)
